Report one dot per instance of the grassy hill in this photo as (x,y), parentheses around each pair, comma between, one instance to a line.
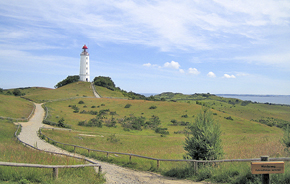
(14,107)
(74,90)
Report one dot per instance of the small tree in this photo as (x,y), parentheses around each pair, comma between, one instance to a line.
(286,138)
(16,92)
(203,138)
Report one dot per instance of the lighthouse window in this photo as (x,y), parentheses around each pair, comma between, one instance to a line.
(86,58)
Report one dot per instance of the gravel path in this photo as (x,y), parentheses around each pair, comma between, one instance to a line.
(113,173)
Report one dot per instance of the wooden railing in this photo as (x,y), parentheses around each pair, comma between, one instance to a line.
(195,162)
(55,167)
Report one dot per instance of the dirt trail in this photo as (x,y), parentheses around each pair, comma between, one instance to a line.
(113,173)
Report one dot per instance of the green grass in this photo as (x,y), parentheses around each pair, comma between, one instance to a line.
(11,151)
(77,89)
(241,138)
(104,92)
(14,107)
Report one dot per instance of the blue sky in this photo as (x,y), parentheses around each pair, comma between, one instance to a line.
(189,46)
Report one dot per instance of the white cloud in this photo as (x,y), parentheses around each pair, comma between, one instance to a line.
(193,71)
(181,71)
(147,64)
(242,74)
(211,74)
(229,76)
(172,64)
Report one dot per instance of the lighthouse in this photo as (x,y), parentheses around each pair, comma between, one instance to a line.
(85,65)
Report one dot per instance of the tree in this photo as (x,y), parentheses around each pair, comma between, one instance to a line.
(104,82)
(203,139)
(68,80)
(286,138)
(16,92)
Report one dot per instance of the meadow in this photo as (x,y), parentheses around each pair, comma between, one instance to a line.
(14,107)
(243,134)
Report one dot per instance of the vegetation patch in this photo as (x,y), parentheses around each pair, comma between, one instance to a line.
(270,121)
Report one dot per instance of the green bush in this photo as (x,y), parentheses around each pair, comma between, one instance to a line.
(104,82)
(127,106)
(152,107)
(68,80)
(203,140)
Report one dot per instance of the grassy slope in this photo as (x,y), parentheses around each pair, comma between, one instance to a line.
(104,92)
(77,89)
(11,151)
(253,136)
(14,107)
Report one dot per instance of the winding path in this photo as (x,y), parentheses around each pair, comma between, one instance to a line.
(113,173)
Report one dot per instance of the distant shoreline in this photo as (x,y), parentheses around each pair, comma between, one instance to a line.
(273,99)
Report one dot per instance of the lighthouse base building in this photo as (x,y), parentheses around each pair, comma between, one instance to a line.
(85,65)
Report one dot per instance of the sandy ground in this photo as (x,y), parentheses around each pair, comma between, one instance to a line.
(113,173)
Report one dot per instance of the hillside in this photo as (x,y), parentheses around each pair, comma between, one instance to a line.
(74,90)
(236,118)
(117,124)
(14,107)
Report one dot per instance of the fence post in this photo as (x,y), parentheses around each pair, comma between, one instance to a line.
(158,164)
(88,152)
(74,149)
(130,158)
(100,169)
(107,154)
(265,177)
(195,167)
(55,172)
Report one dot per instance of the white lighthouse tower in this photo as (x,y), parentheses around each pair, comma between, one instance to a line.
(85,65)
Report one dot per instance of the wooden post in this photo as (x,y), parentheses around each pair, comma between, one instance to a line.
(107,154)
(195,166)
(100,169)
(55,173)
(74,149)
(88,152)
(265,177)
(158,164)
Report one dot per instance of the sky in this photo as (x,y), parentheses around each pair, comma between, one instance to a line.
(188,46)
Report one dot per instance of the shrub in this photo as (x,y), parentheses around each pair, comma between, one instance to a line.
(152,107)
(113,139)
(229,118)
(68,80)
(81,102)
(104,82)
(127,106)
(286,138)
(17,92)
(163,131)
(93,106)
(203,139)
(184,116)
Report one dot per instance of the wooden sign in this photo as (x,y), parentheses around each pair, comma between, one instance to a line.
(267,167)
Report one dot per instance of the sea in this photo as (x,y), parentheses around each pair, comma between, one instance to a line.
(273,99)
